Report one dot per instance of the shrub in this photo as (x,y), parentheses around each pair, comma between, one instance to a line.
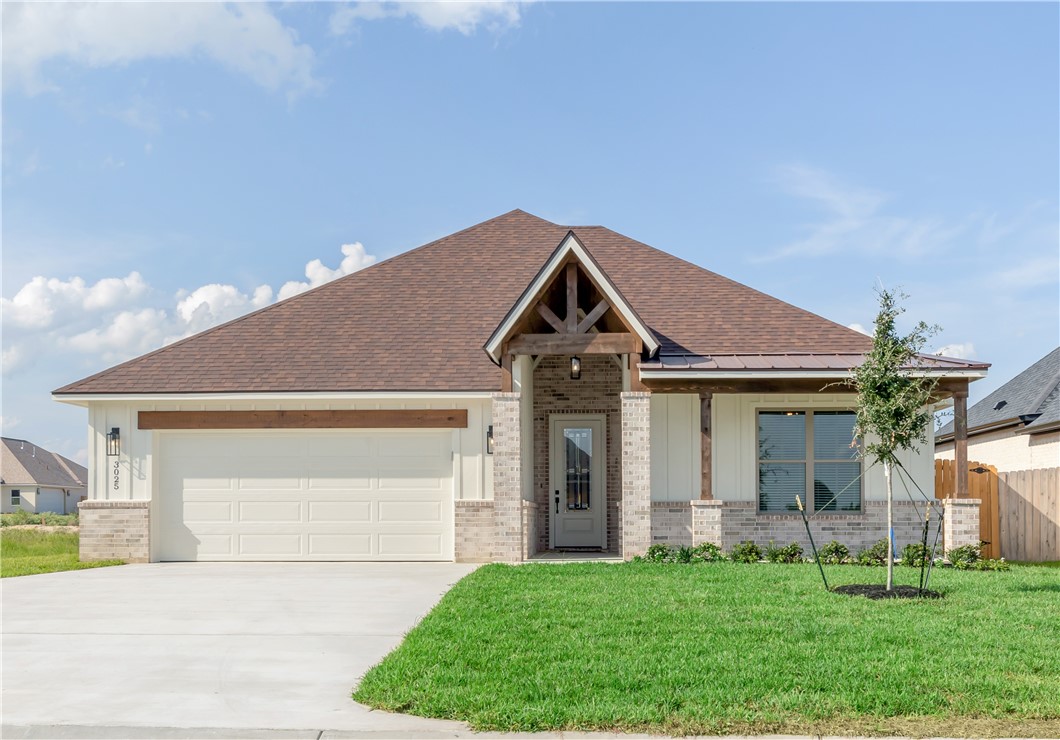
(965,557)
(707,552)
(22,517)
(990,564)
(683,554)
(659,553)
(746,552)
(914,555)
(875,555)
(789,554)
(834,553)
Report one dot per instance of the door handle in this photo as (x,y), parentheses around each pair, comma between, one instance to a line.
(557,502)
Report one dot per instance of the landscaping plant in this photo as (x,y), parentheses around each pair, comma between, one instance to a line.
(746,552)
(892,409)
(835,553)
(878,554)
(788,554)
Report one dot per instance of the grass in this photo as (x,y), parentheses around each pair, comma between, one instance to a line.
(731,648)
(25,552)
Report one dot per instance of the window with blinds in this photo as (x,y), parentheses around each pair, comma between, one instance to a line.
(809,454)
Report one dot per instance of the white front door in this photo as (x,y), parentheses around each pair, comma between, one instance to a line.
(579,491)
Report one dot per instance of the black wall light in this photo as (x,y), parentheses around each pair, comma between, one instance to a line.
(489,440)
(113,442)
(575,368)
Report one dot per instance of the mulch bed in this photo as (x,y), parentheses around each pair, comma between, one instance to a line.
(877,591)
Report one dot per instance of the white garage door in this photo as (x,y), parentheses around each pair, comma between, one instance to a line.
(352,495)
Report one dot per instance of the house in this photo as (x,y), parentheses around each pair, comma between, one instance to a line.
(515,387)
(37,480)
(1017,427)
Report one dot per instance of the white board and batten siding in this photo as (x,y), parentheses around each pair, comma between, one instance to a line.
(676,459)
(275,494)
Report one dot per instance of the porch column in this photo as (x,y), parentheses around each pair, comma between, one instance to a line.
(706,479)
(507,478)
(636,473)
(960,439)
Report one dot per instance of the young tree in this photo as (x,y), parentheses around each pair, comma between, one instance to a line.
(893,395)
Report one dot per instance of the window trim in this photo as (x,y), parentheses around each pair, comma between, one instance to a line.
(16,497)
(808,461)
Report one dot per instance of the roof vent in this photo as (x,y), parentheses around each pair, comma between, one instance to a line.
(1000,405)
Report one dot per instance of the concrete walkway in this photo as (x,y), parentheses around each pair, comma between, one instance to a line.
(152,650)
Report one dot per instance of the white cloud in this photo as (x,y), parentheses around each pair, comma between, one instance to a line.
(854,222)
(859,328)
(247,39)
(7,423)
(1034,272)
(464,17)
(958,351)
(355,259)
(37,302)
(49,317)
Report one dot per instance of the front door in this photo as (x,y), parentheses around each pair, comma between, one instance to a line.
(579,492)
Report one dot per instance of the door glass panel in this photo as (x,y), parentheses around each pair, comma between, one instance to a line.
(578,458)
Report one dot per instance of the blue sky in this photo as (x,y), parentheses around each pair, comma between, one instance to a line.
(170,166)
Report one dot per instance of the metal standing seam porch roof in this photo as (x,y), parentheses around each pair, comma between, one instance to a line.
(418,321)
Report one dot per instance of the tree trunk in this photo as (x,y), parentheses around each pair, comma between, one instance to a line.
(890,527)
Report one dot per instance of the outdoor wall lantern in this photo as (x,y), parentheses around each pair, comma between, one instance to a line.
(113,442)
(489,440)
(575,368)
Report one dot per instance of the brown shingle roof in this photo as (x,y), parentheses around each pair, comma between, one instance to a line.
(418,321)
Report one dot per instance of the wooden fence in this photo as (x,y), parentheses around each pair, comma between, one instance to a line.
(1019,518)
(1030,514)
(983,484)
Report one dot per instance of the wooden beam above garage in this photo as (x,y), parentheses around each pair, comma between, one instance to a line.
(314,419)
(616,343)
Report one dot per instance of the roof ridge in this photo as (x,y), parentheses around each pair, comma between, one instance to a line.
(165,348)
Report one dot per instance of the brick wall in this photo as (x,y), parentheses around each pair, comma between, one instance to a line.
(476,530)
(115,530)
(507,478)
(727,523)
(596,392)
(636,473)
(960,525)
(671,522)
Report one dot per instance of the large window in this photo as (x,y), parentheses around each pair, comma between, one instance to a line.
(808,454)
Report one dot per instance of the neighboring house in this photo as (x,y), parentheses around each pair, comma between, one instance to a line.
(515,387)
(36,480)
(1017,427)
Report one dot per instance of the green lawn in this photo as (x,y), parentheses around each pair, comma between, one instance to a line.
(25,552)
(724,647)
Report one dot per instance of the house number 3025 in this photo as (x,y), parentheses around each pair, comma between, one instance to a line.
(116,474)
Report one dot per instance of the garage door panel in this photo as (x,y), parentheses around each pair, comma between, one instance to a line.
(352,503)
(429,512)
(208,511)
(410,545)
(270,545)
(357,545)
(326,512)
(252,512)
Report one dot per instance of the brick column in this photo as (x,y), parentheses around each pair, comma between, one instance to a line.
(636,473)
(960,522)
(115,530)
(706,521)
(507,478)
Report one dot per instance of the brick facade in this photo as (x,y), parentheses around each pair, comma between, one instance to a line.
(727,523)
(636,473)
(507,478)
(476,531)
(596,392)
(530,514)
(960,525)
(115,530)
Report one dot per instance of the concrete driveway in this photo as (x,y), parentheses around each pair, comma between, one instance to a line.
(217,645)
